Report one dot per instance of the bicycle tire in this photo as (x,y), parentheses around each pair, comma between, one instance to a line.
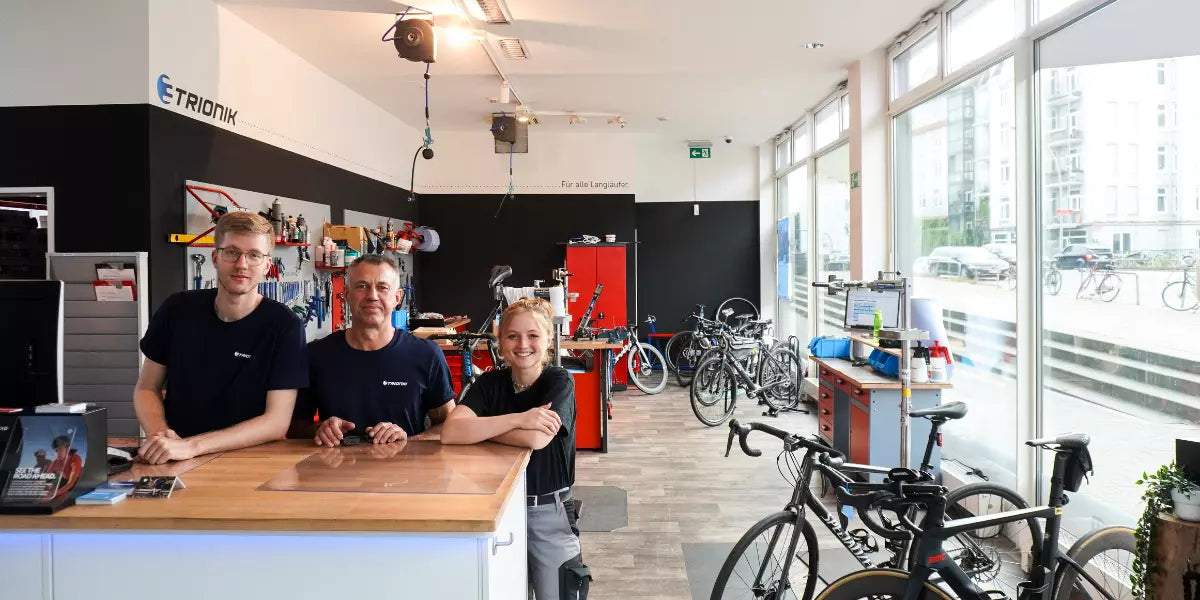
(1054,282)
(773,524)
(979,559)
(723,387)
(786,395)
(650,377)
(1111,282)
(674,346)
(462,395)
(1182,300)
(1010,278)
(1086,548)
(689,356)
(877,584)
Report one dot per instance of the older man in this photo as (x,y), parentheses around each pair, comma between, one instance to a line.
(372,379)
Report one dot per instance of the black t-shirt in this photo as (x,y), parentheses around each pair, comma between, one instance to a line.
(398,383)
(218,373)
(552,468)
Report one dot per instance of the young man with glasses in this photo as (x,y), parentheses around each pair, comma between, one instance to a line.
(222,366)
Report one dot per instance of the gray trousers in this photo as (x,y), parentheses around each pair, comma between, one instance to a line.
(551,543)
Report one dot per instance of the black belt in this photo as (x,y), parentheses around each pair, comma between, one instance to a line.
(551,498)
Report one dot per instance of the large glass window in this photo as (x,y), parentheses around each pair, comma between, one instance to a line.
(829,124)
(783,156)
(798,212)
(801,146)
(916,65)
(833,233)
(956,234)
(977,27)
(1118,362)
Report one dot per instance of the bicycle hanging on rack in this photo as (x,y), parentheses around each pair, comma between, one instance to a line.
(466,343)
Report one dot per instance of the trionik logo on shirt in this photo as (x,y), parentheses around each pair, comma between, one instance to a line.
(240,355)
(399,383)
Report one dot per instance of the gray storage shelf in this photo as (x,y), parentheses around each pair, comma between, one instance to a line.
(101,360)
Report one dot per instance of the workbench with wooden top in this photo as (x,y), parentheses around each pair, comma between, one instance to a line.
(290,520)
(858,412)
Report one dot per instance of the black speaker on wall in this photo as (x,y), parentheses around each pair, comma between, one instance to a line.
(415,40)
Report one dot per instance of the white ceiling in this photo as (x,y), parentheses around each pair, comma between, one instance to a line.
(713,68)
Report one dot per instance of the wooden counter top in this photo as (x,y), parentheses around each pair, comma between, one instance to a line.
(227,491)
(868,379)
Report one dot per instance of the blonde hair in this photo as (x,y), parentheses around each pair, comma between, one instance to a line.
(540,310)
(244,222)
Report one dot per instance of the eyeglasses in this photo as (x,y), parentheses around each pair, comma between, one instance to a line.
(231,255)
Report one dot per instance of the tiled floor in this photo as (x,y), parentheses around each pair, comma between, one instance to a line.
(681,490)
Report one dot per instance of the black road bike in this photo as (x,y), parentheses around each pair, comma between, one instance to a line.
(777,558)
(1096,567)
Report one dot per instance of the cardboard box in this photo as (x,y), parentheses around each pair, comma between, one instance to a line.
(354,237)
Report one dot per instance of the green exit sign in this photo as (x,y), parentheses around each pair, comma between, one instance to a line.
(699,152)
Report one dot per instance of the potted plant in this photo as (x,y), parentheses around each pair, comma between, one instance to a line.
(1168,490)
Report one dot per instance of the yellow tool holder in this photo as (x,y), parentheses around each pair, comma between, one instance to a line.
(183,238)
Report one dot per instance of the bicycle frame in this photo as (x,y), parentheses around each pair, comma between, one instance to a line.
(935,530)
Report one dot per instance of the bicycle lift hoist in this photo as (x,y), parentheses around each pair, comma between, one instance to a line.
(890,281)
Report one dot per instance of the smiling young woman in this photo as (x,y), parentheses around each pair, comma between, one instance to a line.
(532,405)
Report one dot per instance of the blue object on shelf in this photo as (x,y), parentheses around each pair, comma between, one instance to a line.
(884,363)
(400,318)
(828,347)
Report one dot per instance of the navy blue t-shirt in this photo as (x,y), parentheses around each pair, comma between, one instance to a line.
(399,383)
(218,373)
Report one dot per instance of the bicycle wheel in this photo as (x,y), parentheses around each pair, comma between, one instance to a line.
(740,306)
(877,584)
(780,373)
(1105,554)
(674,346)
(1054,282)
(647,368)
(1010,278)
(754,568)
(689,358)
(996,557)
(1110,286)
(1179,295)
(714,392)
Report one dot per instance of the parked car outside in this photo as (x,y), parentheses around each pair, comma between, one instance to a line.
(972,262)
(1008,252)
(1078,256)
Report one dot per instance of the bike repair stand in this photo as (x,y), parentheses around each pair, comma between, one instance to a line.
(891,281)
(793,344)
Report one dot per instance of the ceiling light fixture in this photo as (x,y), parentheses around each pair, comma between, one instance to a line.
(458,35)
(513,48)
(505,93)
(814,45)
(495,11)
(618,120)
(576,120)
(663,119)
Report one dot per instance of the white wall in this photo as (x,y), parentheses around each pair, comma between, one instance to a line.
(280,99)
(558,162)
(767,260)
(666,174)
(72,52)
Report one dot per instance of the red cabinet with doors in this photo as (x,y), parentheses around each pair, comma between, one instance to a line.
(592,264)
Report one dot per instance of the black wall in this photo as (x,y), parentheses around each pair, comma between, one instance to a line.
(118,173)
(182,148)
(686,260)
(526,236)
(95,158)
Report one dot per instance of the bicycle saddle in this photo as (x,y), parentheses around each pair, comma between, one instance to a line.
(1066,441)
(499,273)
(949,410)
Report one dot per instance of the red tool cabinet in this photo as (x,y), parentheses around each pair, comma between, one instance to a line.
(599,263)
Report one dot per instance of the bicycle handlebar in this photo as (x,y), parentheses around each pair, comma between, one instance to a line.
(790,441)
(462,337)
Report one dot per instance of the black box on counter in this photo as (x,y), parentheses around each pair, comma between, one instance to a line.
(48,460)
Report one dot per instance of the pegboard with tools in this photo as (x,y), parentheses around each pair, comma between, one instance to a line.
(292,278)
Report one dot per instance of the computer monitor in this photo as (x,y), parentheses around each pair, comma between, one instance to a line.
(31,342)
(861,305)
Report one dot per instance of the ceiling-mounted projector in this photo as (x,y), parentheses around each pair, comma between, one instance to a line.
(415,40)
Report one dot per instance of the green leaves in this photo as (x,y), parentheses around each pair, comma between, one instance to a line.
(1157,496)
